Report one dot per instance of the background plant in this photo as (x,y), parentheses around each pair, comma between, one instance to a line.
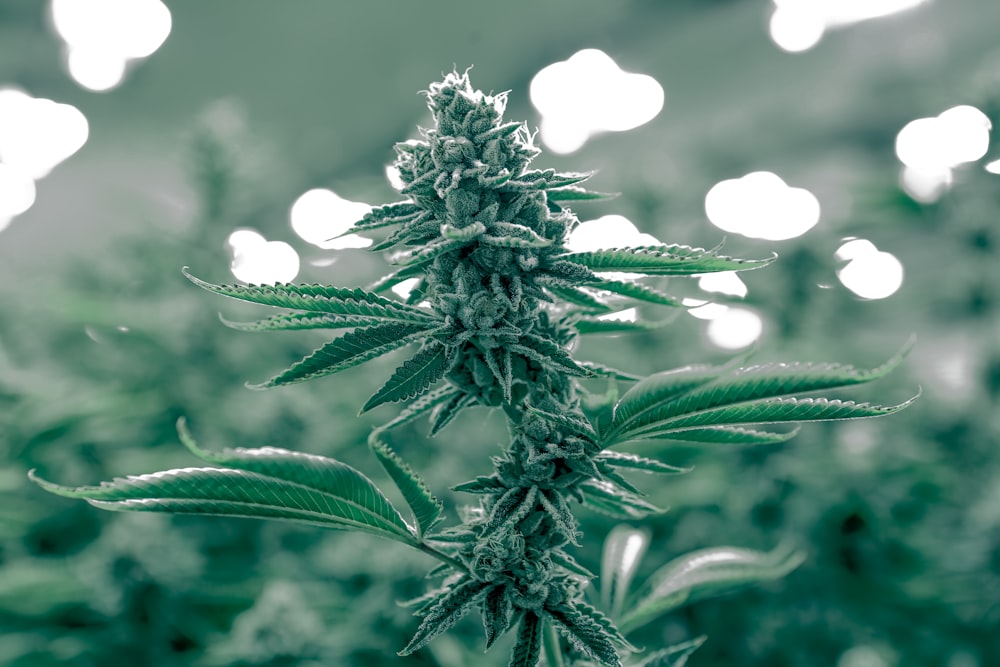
(485,237)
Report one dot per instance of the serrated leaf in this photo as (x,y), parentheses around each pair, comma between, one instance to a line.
(704,573)
(421,406)
(482,486)
(680,393)
(447,411)
(351,349)
(565,178)
(267,483)
(655,390)
(426,253)
(528,648)
(577,194)
(769,411)
(559,511)
(581,625)
(607,371)
(568,563)
(496,612)
(549,352)
(446,612)
(624,548)
(574,295)
(636,462)
(613,501)
(386,215)
(674,656)
(415,376)
(663,260)
(425,507)
(725,435)
(301,321)
(634,290)
(319,299)
(595,325)
(513,241)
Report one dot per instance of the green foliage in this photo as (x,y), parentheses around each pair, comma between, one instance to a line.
(501,303)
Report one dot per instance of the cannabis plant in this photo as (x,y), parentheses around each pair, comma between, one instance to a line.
(498,305)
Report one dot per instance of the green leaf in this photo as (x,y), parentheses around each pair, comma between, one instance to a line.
(577,194)
(448,611)
(425,507)
(547,351)
(300,321)
(415,376)
(424,254)
(596,325)
(574,295)
(482,486)
(725,435)
(447,411)
(688,394)
(674,656)
(623,551)
(635,290)
(423,405)
(613,501)
(266,483)
(386,215)
(555,505)
(636,462)
(568,563)
(588,631)
(562,179)
(768,411)
(320,299)
(528,647)
(496,612)
(706,573)
(663,260)
(653,391)
(351,349)
(607,371)
(466,233)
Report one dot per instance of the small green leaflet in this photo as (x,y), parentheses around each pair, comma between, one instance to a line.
(572,193)
(726,435)
(609,499)
(623,551)
(588,631)
(446,612)
(674,656)
(496,612)
(528,648)
(706,573)
(423,405)
(425,507)
(415,376)
(663,260)
(635,290)
(385,215)
(266,483)
(300,321)
(351,349)
(596,325)
(636,462)
(320,299)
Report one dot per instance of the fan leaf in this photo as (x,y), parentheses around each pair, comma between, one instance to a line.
(319,299)
(446,612)
(663,260)
(351,349)
(266,483)
(623,551)
(415,376)
(528,648)
(636,462)
(425,507)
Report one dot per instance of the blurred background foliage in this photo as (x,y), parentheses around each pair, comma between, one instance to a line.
(247,105)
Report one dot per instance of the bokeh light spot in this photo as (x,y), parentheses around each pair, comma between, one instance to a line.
(956,136)
(608,231)
(404,288)
(95,70)
(257,261)
(870,273)
(735,329)
(588,94)
(760,205)
(723,282)
(799,25)
(37,134)
(320,215)
(993,167)
(17,192)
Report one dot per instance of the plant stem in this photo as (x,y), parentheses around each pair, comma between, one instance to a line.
(431,551)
